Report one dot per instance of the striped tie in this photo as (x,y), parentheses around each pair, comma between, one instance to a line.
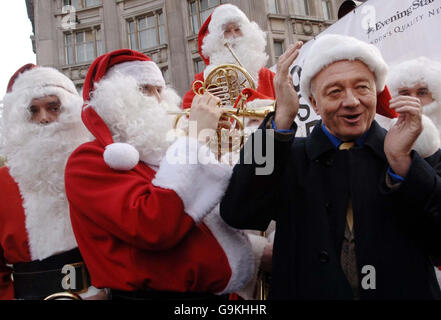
(350,212)
(348,258)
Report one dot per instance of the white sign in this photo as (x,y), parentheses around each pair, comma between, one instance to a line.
(401,29)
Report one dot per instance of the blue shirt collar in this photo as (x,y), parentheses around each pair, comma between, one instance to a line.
(336,142)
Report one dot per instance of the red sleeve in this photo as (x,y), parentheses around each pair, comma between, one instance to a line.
(6,285)
(125,204)
(188,97)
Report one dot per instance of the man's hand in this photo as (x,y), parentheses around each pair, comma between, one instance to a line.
(286,96)
(206,112)
(402,136)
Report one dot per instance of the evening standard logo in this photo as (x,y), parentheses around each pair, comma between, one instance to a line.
(372,26)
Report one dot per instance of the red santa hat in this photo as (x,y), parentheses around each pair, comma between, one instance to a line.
(118,156)
(331,48)
(215,25)
(411,72)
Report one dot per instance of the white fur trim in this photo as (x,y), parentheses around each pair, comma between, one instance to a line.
(237,248)
(43,77)
(258,243)
(429,140)
(384,122)
(200,185)
(145,72)
(121,156)
(409,73)
(91,292)
(259,103)
(331,48)
(225,14)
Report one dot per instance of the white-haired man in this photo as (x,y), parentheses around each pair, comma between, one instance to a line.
(141,202)
(41,126)
(228,24)
(357,211)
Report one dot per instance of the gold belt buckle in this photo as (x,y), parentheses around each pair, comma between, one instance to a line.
(84,276)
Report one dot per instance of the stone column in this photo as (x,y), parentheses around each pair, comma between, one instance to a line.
(46,33)
(178,70)
(111,24)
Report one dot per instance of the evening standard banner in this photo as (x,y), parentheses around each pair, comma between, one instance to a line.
(401,29)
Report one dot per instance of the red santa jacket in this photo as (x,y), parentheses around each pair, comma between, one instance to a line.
(265,86)
(14,246)
(32,229)
(134,234)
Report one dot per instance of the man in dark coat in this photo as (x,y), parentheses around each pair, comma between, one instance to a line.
(357,210)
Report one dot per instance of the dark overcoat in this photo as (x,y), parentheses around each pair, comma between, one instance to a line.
(397,231)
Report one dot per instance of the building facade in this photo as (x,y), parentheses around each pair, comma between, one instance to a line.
(70,34)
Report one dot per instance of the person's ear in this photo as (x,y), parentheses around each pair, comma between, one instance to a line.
(314,104)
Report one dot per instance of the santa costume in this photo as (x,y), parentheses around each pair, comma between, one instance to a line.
(140,228)
(249,48)
(36,237)
(426,72)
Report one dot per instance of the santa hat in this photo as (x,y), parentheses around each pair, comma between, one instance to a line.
(118,156)
(411,72)
(31,76)
(214,25)
(331,48)
(30,82)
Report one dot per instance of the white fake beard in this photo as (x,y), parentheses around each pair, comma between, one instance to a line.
(136,119)
(250,50)
(37,157)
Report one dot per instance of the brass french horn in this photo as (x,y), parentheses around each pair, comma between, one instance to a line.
(227,82)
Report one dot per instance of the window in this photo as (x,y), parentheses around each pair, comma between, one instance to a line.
(326,6)
(147,32)
(200,10)
(80,4)
(83,46)
(199,66)
(278,48)
(301,7)
(273,6)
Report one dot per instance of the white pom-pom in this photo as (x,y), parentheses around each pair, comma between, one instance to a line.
(121,156)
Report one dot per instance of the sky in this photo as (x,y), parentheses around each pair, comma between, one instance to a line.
(16,45)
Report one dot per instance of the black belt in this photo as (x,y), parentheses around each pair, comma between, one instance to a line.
(165,295)
(38,279)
